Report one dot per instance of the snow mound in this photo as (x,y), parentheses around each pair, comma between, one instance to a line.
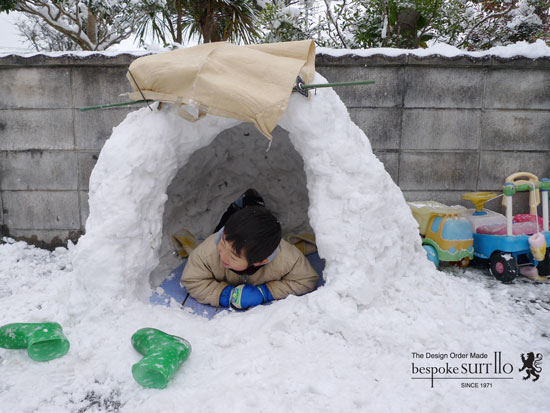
(350,197)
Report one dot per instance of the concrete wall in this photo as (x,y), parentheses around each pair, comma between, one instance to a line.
(47,146)
(445,126)
(442,127)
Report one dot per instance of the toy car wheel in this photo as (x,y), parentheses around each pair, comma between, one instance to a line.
(432,254)
(464,262)
(544,266)
(504,267)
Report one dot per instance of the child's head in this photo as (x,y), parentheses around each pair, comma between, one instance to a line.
(250,236)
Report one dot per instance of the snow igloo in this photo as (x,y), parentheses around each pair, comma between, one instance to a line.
(159,174)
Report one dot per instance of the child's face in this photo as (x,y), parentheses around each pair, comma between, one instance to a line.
(229,258)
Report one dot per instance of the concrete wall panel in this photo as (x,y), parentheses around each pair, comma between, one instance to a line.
(518,89)
(433,87)
(441,129)
(382,126)
(94,86)
(36,129)
(495,166)
(93,128)
(30,210)
(386,92)
(516,130)
(35,87)
(86,163)
(438,171)
(42,170)
(391,163)
(84,209)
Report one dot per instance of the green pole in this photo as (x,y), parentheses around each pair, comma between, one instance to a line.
(361,82)
(302,86)
(114,105)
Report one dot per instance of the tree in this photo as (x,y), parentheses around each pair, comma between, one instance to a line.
(99,24)
(399,23)
(355,23)
(42,36)
(90,24)
(497,22)
(284,21)
(206,20)
(472,24)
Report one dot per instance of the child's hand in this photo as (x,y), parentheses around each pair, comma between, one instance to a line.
(246,295)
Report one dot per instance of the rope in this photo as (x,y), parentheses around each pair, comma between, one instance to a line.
(142,95)
(536,210)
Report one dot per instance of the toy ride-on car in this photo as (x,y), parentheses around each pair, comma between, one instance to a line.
(513,244)
(446,236)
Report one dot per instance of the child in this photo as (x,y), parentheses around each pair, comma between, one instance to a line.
(246,263)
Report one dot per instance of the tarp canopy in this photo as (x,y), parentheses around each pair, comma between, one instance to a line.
(251,83)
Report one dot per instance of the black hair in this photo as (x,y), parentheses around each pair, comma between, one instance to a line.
(254,232)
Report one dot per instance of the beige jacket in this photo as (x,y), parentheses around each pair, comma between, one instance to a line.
(205,277)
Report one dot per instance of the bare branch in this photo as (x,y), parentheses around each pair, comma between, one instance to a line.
(335,23)
(91,29)
(490,16)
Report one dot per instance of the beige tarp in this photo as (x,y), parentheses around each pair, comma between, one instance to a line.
(251,83)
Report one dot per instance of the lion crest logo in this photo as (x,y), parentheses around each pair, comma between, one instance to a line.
(531,365)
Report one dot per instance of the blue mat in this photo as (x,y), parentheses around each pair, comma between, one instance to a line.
(170,289)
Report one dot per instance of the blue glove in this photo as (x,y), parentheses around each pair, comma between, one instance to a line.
(245,296)
(225,295)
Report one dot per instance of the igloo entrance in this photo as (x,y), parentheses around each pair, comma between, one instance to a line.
(217,174)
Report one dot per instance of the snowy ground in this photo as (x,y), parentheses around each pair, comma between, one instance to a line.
(527,297)
(95,375)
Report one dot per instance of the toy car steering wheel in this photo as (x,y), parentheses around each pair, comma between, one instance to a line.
(479,199)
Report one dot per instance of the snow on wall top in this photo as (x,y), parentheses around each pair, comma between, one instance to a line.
(520,49)
(538,49)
